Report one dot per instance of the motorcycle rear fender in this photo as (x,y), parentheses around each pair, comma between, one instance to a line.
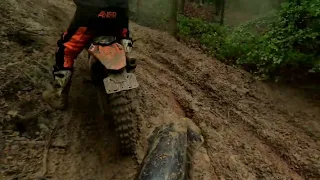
(113,56)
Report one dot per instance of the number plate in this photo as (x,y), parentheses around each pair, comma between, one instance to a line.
(120,82)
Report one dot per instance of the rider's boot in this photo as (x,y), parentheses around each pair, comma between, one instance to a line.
(127,45)
(57,95)
(131,61)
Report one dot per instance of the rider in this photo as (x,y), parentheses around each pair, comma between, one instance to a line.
(92,18)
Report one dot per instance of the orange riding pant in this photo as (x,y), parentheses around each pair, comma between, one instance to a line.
(88,23)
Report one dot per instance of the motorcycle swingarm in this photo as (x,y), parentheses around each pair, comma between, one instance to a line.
(120,82)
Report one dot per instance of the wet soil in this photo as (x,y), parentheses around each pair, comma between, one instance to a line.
(252,129)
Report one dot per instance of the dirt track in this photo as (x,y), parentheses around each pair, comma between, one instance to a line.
(252,130)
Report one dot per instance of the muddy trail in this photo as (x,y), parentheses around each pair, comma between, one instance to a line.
(252,130)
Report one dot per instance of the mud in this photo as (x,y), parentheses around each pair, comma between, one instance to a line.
(252,130)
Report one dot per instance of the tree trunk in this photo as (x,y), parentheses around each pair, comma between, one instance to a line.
(173,22)
(182,3)
(217,4)
(201,2)
(138,8)
(223,5)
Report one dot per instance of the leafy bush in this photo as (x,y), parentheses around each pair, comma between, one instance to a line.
(209,34)
(286,42)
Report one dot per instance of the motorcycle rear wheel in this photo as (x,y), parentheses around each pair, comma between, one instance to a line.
(122,106)
(123,109)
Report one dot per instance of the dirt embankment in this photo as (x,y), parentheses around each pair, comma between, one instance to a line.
(252,130)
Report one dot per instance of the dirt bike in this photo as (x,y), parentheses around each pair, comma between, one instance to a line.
(113,76)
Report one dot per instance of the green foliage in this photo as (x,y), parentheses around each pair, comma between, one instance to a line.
(283,42)
(209,34)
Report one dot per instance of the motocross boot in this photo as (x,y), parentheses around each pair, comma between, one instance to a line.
(127,45)
(57,94)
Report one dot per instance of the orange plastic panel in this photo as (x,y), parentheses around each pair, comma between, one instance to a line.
(113,57)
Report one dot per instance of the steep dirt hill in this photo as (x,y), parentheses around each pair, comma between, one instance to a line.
(252,130)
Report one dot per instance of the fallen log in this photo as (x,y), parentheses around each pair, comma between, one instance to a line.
(170,152)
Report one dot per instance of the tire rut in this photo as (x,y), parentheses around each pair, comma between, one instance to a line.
(230,97)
